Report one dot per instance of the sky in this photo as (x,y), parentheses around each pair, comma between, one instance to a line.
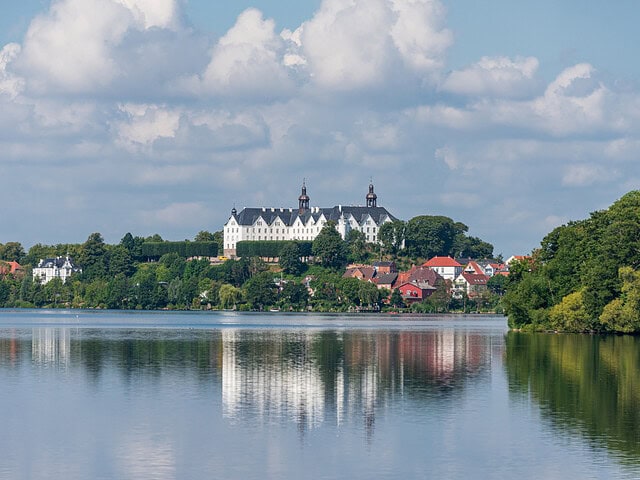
(160,116)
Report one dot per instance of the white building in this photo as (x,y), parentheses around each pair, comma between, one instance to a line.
(304,222)
(446,267)
(50,268)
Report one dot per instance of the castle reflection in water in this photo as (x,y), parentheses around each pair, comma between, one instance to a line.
(306,376)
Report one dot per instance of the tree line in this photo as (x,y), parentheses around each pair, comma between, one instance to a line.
(584,277)
(121,276)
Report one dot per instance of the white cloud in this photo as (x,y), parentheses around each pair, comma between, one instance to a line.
(495,77)
(364,43)
(10,84)
(449,156)
(145,124)
(581,175)
(248,59)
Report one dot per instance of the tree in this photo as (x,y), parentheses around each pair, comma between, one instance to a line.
(396,299)
(368,293)
(93,257)
(294,294)
(12,252)
(392,236)
(356,243)
(260,291)
(120,261)
(427,236)
(228,295)
(289,259)
(329,248)
(204,236)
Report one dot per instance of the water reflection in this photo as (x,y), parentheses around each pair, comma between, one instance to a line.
(585,384)
(308,377)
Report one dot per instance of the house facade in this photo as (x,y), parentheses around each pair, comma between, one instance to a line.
(471,284)
(59,267)
(446,267)
(304,222)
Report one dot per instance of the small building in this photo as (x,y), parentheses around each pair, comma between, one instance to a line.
(11,268)
(386,280)
(470,283)
(361,272)
(385,267)
(59,267)
(446,267)
(414,292)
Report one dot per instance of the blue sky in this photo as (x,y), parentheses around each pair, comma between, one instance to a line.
(159,115)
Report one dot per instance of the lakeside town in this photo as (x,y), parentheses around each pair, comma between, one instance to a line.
(343,258)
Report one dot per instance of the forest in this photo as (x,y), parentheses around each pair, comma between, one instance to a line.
(584,277)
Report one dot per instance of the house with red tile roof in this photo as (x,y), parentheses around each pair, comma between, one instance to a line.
(446,267)
(474,267)
(361,272)
(10,268)
(470,283)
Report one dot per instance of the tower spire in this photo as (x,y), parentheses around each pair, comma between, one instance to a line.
(303,199)
(372,198)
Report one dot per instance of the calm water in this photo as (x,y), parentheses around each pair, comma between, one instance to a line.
(222,395)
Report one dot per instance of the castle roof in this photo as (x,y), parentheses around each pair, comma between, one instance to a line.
(288,216)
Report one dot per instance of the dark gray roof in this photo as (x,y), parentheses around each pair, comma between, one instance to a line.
(248,216)
(55,262)
(386,278)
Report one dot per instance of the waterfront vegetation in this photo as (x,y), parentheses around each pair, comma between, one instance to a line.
(150,273)
(584,276)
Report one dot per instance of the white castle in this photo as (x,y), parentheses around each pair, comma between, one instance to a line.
(304,222)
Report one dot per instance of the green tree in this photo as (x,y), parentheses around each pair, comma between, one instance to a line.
(427,236)
(356,244)
(329,248)
(12,252)
(93,257)
(396,299)
(392,236)
(289,259)
(368,293)
(294,294)
(120,261)
(204,236)
(260,291)
(229,296)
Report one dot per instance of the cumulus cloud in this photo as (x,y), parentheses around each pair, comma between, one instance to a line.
(120,101)
(248,59)
(10,84)
(364,43)
(73,47)
(495,77)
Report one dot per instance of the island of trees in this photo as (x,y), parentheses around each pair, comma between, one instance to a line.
(584,277)
(151,273)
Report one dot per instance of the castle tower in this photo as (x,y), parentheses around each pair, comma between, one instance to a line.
(303,200)
(372,198)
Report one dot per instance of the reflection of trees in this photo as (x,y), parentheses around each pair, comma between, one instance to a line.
(587,383)
(304,375)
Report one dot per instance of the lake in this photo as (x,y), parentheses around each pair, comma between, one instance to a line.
(182,395)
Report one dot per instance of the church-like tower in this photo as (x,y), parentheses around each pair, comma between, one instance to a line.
(372,198)
(303,200)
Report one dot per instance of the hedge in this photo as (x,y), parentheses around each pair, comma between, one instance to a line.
(184,249)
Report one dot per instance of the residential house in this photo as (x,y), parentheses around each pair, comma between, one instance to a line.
(59,267)
(361,272)
(471,284)
(414,292)
(386,280)
(446,267)
(385,267)
(11,268)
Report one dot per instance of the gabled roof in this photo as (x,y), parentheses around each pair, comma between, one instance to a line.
(475,268)
(474,279)
(441,262)
(385,278)
(248,216)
